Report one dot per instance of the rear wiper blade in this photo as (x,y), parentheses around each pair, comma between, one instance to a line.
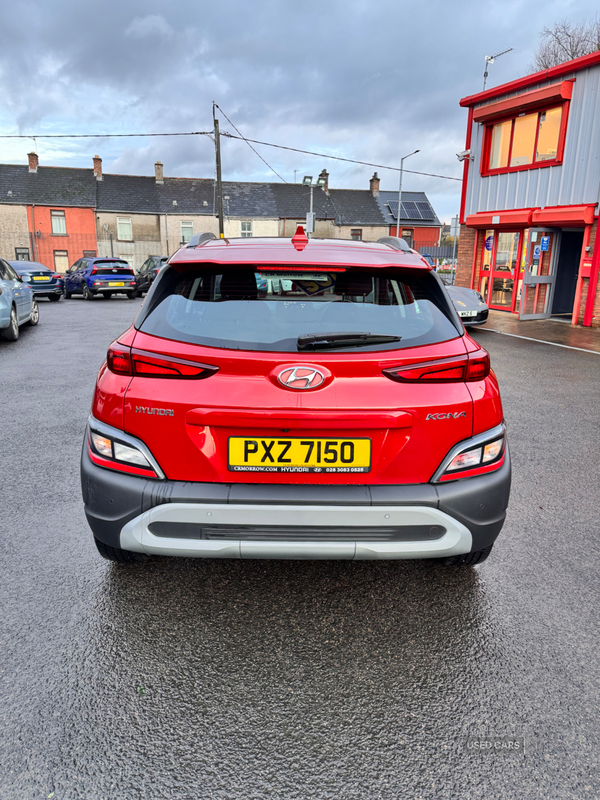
(321,341)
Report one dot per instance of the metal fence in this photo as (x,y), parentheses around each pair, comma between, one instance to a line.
(438,252)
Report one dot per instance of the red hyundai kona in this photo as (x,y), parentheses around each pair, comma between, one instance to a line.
(297,399)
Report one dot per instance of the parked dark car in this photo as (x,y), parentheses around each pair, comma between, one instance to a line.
(100,276)
(43,281)
(471,307)
(148,272)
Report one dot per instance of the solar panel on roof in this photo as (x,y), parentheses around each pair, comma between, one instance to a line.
(425,210)
(410,210)
(393,206)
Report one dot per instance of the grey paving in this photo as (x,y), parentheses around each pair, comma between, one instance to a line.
(198,679)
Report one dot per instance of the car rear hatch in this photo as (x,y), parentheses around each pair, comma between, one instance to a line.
(117,274)
(229,387)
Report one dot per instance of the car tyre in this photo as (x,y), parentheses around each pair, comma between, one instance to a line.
(468,559)
(132,295)
(11,334)
(35,314)
(85,290)
(67,295)
(54,297)
(119,556)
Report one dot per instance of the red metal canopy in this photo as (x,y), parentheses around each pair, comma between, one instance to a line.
(557,92)
(521,218)
(562,216)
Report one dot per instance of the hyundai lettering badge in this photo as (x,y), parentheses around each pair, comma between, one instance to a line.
(300,378)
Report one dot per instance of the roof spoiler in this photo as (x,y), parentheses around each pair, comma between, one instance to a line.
(198,238)
(396,243)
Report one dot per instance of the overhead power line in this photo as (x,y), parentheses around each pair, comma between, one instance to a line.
(339,158)
(254,150)
(229,136)
(98,135)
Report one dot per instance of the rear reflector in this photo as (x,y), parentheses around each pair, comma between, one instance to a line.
(472,367)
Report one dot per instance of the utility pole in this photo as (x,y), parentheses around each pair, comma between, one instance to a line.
(219,185)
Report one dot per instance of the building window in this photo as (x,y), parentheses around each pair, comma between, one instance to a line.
(124,229)
(407,235)
(22,253)
(356,234)
(187,231)
(525,141)
(59,224)
(246,228)
(90,253)
(61,260)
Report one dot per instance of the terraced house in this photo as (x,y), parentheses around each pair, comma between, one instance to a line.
(57,215)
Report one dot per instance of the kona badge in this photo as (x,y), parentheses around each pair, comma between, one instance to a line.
(300,378)
(449,415)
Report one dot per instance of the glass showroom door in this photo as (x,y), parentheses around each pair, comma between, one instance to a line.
(504,265)
(539,274)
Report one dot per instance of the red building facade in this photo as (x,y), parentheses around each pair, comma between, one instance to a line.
(531,189)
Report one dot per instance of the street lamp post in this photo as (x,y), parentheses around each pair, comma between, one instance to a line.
(402,160)
(310,217)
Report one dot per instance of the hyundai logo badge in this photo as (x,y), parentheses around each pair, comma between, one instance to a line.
(300,378)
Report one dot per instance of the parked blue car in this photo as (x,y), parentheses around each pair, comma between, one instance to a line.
(18,306)
(43,281)
(102,277)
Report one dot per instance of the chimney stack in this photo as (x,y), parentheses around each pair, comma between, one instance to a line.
(325,174)
(98,168)
(33,162)
(374,185)
(158,173)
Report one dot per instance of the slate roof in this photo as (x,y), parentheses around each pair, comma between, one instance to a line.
(63,186)
(411,197)
(50,186)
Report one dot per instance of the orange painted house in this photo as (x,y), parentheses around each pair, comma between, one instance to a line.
(60,235)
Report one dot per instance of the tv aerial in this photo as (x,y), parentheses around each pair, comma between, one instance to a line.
(490,60)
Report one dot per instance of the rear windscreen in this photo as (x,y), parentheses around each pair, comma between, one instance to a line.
(276,310)
(110,267)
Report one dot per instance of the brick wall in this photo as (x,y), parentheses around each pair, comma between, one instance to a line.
(466,243)
(584,293)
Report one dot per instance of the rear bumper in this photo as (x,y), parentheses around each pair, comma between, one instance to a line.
(294,521)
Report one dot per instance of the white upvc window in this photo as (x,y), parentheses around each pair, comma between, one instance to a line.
(187,231)
(130,260)
(124,229)
(59,223)
(246,228)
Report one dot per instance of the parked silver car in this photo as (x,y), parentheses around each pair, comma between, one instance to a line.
(18,306)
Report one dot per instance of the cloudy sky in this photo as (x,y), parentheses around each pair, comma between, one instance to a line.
(366,80)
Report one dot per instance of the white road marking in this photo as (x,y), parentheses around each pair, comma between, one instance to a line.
(542,341)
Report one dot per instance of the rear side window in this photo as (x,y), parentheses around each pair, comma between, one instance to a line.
(279,309)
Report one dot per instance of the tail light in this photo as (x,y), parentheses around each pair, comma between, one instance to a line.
(94,271)
(481,454)
(125,361)
(471,367)
(109,452)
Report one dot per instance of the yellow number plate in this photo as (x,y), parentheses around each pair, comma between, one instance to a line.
(40,278)
(254,454)
(114,283)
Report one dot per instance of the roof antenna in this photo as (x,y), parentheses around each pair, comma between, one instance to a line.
(490,60)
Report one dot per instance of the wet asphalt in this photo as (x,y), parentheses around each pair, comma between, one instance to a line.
(184,678)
